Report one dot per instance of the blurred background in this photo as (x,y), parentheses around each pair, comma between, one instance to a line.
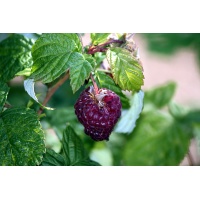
(165,58)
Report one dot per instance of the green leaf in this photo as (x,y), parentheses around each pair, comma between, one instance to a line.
(73,147)
(80,69)
(157,140)
(87,162)
(177,111)
(51,158)
(21,137)
(74,152)
(4,89)
(25,72)
(161,95)
(15,56)
(196,132)
(127,71)
(53,54)
(99,38)
(129,117)
(106,81)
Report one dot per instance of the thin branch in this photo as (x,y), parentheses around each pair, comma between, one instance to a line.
(102,47)
(52,90)
(96,89)
(190,159)
(6,105)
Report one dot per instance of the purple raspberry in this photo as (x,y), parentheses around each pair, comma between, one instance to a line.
(98,112)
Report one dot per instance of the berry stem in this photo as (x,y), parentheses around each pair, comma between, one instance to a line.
(52,90)
(102,47)
(96,89)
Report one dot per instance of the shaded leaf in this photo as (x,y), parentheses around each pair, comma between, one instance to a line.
(4,89)
(126,69)
(72,147)
(99,38)
(74,152)
(157,140)
(15,56)
(129,117)
(21,137)
(161,95)
(87,162)
(106,81)
(52,54)
(51,158)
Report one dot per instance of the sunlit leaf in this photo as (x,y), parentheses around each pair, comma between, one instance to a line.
(52,54)
(126,69)
(98,38)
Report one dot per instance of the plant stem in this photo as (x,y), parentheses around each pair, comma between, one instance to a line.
(190,159)
(96,89)
(104,70)
(101,47)
(52,90)
(6,105)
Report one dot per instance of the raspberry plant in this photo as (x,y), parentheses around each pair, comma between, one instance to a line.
(94,89)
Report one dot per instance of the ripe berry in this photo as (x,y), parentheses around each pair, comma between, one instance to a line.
(98,112)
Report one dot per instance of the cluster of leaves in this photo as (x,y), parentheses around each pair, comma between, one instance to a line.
(48,59)
(163,132)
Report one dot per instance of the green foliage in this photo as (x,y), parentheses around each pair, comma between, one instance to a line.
(99,38)
(157,141)
(160,96)
(54,54)
(158,133)
(74,153)
(80,69)
(126,69)
(21,137)
(4,89)
(51,158)
(15,56)
(72,147)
